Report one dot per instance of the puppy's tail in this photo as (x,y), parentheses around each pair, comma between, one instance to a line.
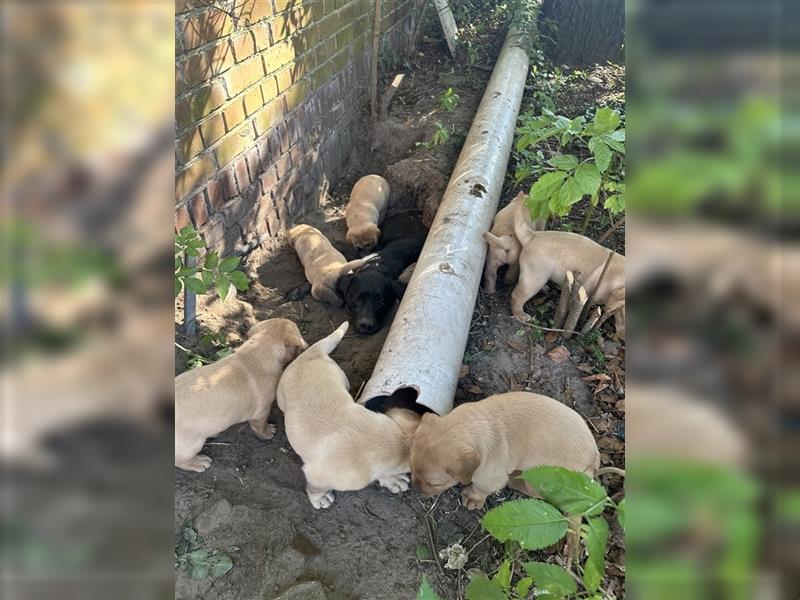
(328,344)
(521,228)
(354,264)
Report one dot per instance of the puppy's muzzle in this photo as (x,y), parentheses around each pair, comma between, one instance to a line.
(366,326)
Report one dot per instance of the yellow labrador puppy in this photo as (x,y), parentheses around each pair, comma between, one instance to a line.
(240,387)
(366,210)
(323,263)
(483,445)
(504,248)
(344,446)
(548,255)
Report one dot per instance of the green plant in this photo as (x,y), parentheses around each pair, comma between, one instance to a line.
(202,563)
(440,136)
(449,100)
(587,161)
(572,505)
(214,273)
(212,347)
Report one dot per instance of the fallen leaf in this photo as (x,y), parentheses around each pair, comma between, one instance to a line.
(475,389)
(517,345)
(597,377)
(620,406)
(610,444)
(586,368)
(550,337)
(559,354)
(463,372)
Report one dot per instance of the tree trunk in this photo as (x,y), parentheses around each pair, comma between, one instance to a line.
(585,32)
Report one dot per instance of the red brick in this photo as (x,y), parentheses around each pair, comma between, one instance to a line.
(253,163)
(296,154)
(182,218)
(199,209)
(269,179)
(242,176)
(283,164)
(228,182)
(243,46)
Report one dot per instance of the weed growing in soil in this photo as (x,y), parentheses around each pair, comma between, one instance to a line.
(215,273)
(572,507)
(201,562)
(449,100)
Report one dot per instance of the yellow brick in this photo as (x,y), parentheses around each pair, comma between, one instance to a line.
(190,178)
(269,89)
(213,129)
(277,56)
(189,145)
(233,114)
(234,143)
(284,78)
(296,94)
(253,100)
(244,75)
(269,116)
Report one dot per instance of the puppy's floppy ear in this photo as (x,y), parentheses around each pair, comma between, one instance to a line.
(494,240)
(343,283)
(294,346)
(466,463)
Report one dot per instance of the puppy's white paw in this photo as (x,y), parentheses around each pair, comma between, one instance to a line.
(394,483)
(321,500)
(199,463)
(523,317)
(471,499)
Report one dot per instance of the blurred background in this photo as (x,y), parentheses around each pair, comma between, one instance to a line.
(713,292)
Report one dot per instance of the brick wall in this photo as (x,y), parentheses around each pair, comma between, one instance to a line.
(268,94)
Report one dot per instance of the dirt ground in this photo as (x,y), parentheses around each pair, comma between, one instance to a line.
(372,545)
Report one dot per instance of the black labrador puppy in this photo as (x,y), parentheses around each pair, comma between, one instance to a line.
(370,291)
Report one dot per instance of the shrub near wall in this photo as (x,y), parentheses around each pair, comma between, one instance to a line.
(268,94)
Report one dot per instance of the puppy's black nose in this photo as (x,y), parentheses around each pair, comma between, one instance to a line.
(366,327)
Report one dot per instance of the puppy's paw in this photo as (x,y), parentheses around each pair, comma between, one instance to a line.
(198,463)
(471,499)
(523,317)
(394,483)
(323,500)
(298,293)
(264,432)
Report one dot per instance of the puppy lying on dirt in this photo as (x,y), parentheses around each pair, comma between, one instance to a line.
(344,446)
(240,387)
(365,211)
(323,263)
(370,291)
(504,248)
(483,445)
(548,255)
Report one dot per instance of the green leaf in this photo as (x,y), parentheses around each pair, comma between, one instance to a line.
(178,286)
(621,513)
(503,575)
(192,252)
(187,231)
(240,280)
(186,272)
(552,579)
(588,178)
(546,185)
(482,588)
(617,136)
(534,524)
(426,592)
(605,119)
(178,261)
(564,162)
(615,204)
(568,194)
(208,278)
(212,260)
(602,155)
(229,264)
(220,565)
(195,285)
(422,552)
(524,586)
(595,536)
(223,287)
(574,493)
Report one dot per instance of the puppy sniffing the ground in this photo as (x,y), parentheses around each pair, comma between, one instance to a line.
(548,255)
(365,211)
(240,387)
(484,444)
(344,446)
(323,263)
(504,248)
(370,291)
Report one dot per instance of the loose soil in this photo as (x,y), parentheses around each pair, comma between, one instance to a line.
(372,545)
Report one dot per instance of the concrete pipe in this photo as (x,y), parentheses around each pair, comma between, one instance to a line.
(422,356)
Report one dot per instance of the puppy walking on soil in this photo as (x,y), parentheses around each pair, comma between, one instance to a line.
(483,445)
(548,255)
(365,211)
(323,263)
(343,445)
(238,388)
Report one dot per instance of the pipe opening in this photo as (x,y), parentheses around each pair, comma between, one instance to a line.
(404,397)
